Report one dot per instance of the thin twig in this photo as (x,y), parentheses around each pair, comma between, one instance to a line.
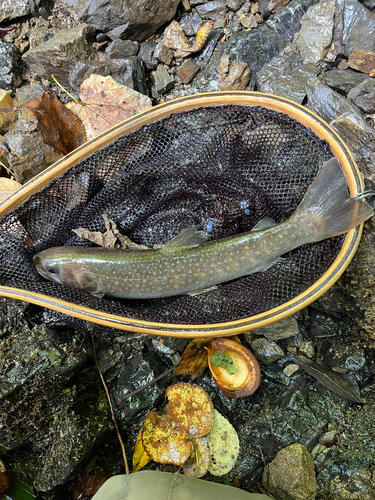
(111,407)
(123,398)
(8,169)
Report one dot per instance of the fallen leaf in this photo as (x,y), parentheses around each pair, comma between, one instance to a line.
(341,385)
(60,128)
(199,460)
(194,359)
(223,360)
(6,110)
(140,457)
(200,40)
(106,103)
(87,485)
(7,187)
(224,446)
(164,441)
(191,408)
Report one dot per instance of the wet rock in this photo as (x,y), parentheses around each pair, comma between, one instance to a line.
(213,10)
(204,56)
(343,80)
(355,27)
(344,117)
(275,5)
(128,72)
(290,370)
(174,37)
(291,475)
(267,351)
(329,437)
(120,49)
(248,22)
(234,75)
(126,19)
(307,348)
(188,70)
(315,36)
(11,9)
(10,66)
(145,54)
(163,54)
(362,60)
(163,81)
(58,55)
(282,329)
(190,22)
(287,75)
(363,96)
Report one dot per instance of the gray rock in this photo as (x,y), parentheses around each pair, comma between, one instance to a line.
(10,67)
(287,75)
(163,53)
(315,36)
(291,474)
(234,5)
(363,95)
(145,54)
(11,9)
(344,80)
(126,19)
(190,22)
(266,351)
(214,10)
(188,70)
(128,72)
(119,49)
(282,329)
(346,118)
(329,437)
(355,27)
(58,55)
(163,81)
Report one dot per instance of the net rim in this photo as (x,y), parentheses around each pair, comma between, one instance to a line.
(255,99)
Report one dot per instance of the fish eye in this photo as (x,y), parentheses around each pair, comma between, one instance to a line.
(53,270)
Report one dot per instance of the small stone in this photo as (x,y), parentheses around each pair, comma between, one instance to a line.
(219,24)
(10,67)
(276,5)
(291,475)
(163,81)
(291,369)
(174,37)
(119,49)
(190,23)
(146,54)
(362,60)
(234,77)
(188,70)
(343,64)
(372,73)
(163,54)
(212,10)
(363,95)
(248,22)
(329,437)
(234,5)
(307,348)
(287,327)
(267,352)
(254,8)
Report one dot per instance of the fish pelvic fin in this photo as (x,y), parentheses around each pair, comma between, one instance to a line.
(189,238)
(327,209)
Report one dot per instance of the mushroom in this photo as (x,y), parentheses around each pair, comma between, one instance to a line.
(246,377)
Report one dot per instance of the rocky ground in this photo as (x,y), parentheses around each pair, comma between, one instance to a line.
(54,419)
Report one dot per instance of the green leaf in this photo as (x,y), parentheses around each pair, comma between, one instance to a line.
(19,491)
(223,360)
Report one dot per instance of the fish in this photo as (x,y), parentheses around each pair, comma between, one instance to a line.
(189,264)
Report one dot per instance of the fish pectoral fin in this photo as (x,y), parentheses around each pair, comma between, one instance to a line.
(188,238)
(264,224)
(90,284)
(205,290)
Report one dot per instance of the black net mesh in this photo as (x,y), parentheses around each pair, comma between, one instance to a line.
(223,168)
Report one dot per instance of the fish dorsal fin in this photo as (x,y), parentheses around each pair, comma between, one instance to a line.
(188,238)
(264,224)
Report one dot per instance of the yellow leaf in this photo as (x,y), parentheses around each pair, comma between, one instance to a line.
(140,457)
(198,462)
(194,359)
(200,40)
(6,110)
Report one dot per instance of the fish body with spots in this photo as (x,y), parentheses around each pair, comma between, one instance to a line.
(189,264)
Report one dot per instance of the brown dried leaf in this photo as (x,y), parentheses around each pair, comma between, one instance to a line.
(200,40)
(6,110)
(140,457)
(194,359)
(106,103)
(59,127)
(191,408)
(7,187)
(198,462)
(164,441)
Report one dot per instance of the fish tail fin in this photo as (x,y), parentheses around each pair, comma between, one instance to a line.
(328,209)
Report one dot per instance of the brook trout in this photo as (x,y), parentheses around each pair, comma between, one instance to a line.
(189,264)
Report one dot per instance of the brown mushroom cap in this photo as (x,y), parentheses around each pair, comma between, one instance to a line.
(246,378)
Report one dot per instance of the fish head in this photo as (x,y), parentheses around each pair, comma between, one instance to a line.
(60,265)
